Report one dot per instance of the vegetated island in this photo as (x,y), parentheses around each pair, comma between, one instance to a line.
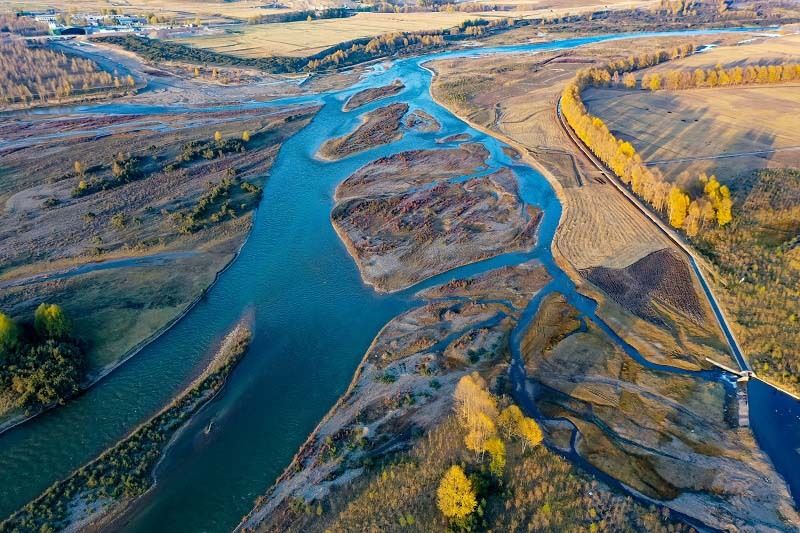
(402,389)
(411,169)
(366,96)
(125,227)
(406,229)
(427,438)
(381,126)
(99,492)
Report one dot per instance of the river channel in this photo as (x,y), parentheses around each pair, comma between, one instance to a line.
(314,320)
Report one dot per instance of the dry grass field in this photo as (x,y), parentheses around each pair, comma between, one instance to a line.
(743,49)
(726,132)
(516,97)
(164,262)
(306,38)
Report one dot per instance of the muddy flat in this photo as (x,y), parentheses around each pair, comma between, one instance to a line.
(402,171)
(401,239)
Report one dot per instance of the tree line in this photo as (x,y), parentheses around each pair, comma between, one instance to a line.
(41,363)
(33,72)
(721,77)
(378,46)
(340,55)
(307,15)
(683,212)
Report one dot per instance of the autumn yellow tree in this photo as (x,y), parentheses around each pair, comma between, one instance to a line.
(509,419)
(694,219)
(9,335)
(654,82)
(497,453)
(530,433)
(678,206)
(725,209)
(218,136)
(455,495)
(50,321)
(480,429)
(246,136)
(477,410)
(629,80)
(720,198)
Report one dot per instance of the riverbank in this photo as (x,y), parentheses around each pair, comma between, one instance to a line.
(16,421)
(119,304)
(403,387)
(96,494)
(294,278)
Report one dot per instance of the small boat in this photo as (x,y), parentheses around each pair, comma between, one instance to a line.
(208,427)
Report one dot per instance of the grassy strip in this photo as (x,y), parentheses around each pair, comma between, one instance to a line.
(125,472)
(157,51)
(344,54)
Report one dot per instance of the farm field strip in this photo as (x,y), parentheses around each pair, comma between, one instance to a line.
(305,38)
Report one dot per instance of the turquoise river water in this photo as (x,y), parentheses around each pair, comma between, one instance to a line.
(314,319)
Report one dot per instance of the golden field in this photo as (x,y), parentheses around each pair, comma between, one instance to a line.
(306,38)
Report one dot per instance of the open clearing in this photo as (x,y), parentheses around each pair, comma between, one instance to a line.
(746,49)
(306,38)
(722,131)
(516,96)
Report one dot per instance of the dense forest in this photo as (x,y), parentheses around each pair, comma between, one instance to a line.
(31,72)
(758,260)
(40,362)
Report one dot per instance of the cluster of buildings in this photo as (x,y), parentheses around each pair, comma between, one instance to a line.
(65,23)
